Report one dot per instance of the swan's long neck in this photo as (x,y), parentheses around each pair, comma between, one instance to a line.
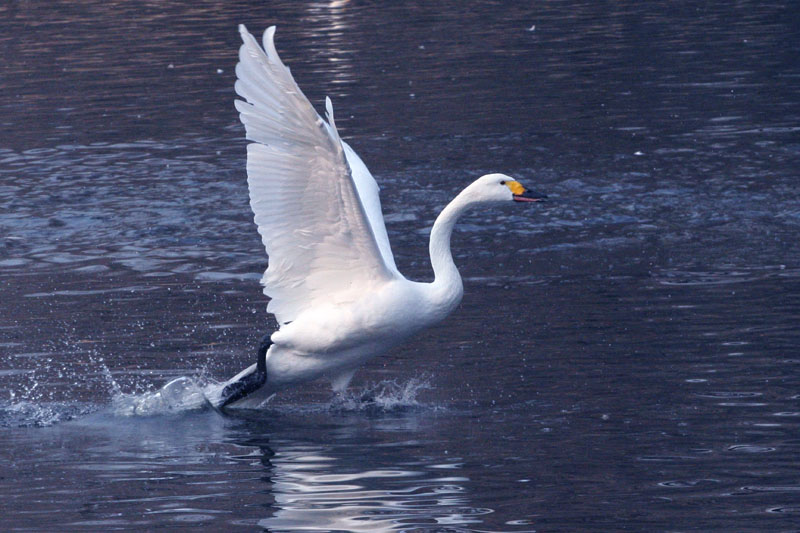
(447,288)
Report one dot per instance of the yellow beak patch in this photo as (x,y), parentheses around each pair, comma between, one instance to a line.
(516,187)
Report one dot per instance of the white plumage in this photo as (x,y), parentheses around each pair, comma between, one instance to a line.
(332,279)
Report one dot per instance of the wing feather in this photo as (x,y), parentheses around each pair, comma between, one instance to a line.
(310,212)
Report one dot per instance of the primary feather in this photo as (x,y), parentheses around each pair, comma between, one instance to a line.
(310,211)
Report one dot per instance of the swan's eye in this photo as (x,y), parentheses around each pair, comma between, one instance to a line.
(502,183)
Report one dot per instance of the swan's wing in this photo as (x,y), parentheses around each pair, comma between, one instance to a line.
(318,231)
(368,191)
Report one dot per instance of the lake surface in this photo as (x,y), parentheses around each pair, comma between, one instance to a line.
(625,357)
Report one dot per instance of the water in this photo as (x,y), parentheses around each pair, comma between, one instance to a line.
(625,357)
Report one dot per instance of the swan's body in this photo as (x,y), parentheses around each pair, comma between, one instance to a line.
(332,279)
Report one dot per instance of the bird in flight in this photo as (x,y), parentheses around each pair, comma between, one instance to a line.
(333,284)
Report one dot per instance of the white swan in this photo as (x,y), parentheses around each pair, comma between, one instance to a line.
(332,280)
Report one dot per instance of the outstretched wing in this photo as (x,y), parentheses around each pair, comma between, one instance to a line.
(313,222)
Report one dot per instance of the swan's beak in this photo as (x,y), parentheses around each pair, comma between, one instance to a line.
(521,194)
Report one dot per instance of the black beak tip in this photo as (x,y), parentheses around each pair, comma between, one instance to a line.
(530,196)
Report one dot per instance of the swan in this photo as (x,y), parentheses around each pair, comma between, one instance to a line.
(333,284)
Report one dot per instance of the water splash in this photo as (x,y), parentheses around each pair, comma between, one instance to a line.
(33,408)
(386,395)
(185,394)
(33,401)
(25,413)
(179,395)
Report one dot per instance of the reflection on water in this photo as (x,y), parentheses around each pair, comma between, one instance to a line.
(624,357)
(353,482)
(310,497)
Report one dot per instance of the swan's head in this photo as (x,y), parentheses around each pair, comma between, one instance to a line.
(501,188)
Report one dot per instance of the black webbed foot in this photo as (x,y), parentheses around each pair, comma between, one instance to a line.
(251,382)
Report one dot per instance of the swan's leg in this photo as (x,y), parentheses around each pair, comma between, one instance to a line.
(340,382)
(251,382)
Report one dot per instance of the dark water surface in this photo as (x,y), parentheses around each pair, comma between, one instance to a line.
(625,358)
